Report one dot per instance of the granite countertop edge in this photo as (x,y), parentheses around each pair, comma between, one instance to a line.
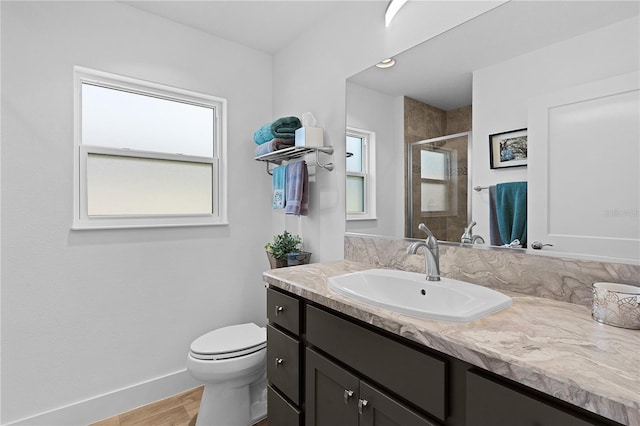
(551,346)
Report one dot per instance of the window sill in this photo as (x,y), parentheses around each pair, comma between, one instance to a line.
(357,218)
(102,226)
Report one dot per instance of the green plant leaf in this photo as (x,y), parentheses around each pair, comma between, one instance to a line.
(284,244)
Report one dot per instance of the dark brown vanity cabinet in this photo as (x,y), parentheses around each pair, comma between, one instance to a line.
(327,369)
(284,359)
(494,402)
(337,397)
(414,376)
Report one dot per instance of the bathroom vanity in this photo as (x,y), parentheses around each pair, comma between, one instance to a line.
(334,361)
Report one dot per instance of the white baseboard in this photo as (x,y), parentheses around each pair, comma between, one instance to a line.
(113,403)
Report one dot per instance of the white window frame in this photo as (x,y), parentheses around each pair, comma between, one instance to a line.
(448,182)
(83,221)
(369,173)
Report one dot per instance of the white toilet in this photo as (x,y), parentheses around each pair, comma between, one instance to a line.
(231,362)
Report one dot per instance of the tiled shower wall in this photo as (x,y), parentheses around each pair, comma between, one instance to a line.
(567,280)
(422,121)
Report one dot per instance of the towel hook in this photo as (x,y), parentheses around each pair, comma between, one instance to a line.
(327,166)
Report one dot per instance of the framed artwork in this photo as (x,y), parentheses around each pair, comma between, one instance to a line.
(508,149)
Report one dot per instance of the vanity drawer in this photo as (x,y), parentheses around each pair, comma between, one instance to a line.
(283,363)
(281,413)
(283,310)
(413,375)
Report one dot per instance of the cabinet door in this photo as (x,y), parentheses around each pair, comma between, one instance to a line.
(382,410)
(331,393)
(413,375)
(491,403)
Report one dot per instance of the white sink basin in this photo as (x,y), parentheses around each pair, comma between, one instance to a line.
(410,293)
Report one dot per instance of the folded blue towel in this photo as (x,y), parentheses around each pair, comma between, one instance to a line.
(279,178)
(511,211)
(284,127)
(297,189)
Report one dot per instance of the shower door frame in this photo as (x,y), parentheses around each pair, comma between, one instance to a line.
(409,189)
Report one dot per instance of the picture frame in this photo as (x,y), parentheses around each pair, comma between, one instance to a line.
(508,149)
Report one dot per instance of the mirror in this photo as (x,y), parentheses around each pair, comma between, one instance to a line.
(478,78)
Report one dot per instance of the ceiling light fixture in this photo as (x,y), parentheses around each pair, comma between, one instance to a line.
(387,63)
(393,8)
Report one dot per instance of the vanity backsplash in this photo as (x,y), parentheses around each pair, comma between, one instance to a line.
(563,279)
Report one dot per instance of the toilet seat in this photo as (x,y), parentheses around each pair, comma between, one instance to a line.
(229,342)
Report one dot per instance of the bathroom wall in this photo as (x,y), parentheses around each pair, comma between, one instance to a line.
(375,111)
(310,74)
(422,121)
(97,322)
(501,93)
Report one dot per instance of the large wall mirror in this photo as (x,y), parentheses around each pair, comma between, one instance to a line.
(463,110)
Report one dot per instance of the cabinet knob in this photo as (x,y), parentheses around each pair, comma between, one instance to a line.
(347,394)
(361,404)
(279,310)
(279,362)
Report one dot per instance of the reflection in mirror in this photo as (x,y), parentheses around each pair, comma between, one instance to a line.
(360,174)
(355,174)
(439,187)
(492,68)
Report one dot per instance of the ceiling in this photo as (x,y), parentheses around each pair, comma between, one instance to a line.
(265,25)
(439,71)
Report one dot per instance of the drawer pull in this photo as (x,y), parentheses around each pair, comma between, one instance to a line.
(279,362)
(361,404)
(279,309)
(347,394)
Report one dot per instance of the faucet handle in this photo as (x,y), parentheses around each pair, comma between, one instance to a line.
(467,235)
(426,230)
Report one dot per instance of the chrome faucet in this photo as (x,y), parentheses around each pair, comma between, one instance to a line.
(469,238)
(431,253)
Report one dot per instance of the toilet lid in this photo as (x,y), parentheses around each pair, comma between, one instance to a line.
(231,341)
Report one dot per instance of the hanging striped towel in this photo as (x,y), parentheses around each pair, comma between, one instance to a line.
(297,189)
(279,178)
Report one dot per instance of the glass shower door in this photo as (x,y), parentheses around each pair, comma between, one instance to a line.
(438,183)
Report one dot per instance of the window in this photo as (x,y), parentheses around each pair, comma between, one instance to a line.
(360,186)
(146,154)
(437,189)
(434,166)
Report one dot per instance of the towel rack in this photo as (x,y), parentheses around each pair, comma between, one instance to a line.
(480,188)
(277,157)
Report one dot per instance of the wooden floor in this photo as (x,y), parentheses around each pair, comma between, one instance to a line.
(178,410)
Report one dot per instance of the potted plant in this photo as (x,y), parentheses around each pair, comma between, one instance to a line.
(286,250)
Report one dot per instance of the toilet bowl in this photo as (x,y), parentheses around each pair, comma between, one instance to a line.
(230,362)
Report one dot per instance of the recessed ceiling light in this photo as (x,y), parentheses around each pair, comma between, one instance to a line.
(387,63)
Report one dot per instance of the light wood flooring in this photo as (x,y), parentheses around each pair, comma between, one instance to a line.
(177,410)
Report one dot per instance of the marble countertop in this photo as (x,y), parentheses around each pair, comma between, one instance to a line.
(552,346)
